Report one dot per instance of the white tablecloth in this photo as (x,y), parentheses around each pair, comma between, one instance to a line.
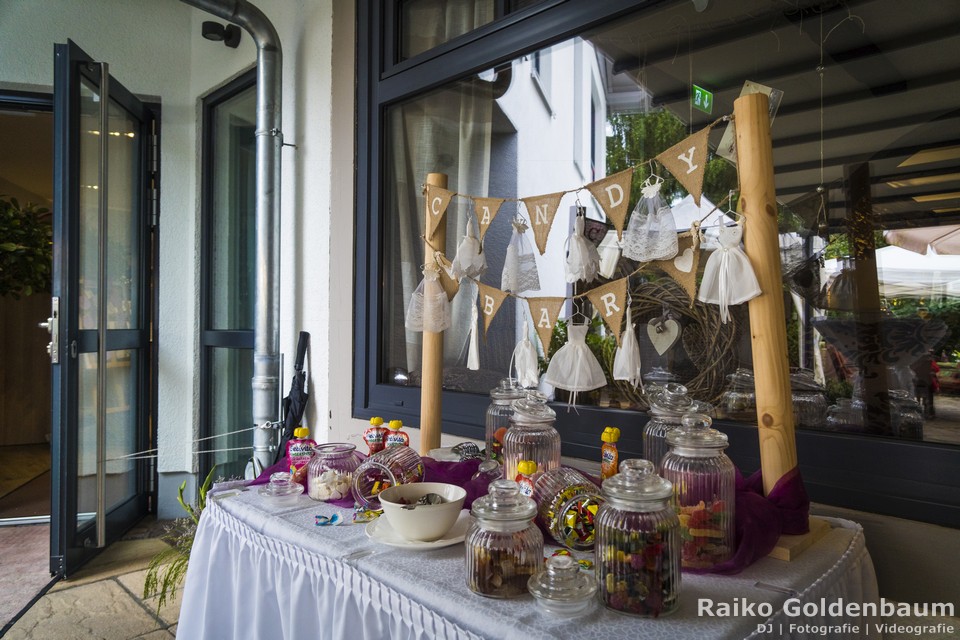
(264,573)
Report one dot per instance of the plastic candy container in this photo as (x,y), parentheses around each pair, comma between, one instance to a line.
(300,448)
(392,466)
(330,472)
(609,457)
(531,436)
(375,435)
(525,478)
(395,436)
(704,481)
(638,543)
(503,547)
(498,416)
(567,505)
(667,406)
(562,590)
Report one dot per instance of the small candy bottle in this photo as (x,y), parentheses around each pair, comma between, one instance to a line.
(609,458)
(526,470)
(300,448)
(375,435)
(396,437)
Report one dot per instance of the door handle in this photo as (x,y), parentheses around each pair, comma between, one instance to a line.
(52,325)
(46,325)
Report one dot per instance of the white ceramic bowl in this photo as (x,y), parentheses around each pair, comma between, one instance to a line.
(426,522)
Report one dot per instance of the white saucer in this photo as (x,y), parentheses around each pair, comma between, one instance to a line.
(381,531)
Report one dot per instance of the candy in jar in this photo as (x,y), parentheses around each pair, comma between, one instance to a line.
(375,435)
(704,482)
(330,471)
(498,416)
(638,543)
(567,503)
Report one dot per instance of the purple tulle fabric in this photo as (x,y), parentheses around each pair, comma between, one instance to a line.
(760,520)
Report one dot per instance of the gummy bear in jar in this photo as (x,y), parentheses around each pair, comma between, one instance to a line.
(567,504)
(503,548)
(330,471)
(531,436)
(638,543)
(704,482)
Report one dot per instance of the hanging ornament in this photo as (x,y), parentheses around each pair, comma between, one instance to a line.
(651,232)
(583,259)
(520,265)
(728,276)
(470,261)
(574,367)
(524,361)
(473,340)
(609,250)
(626,362)
(429,307)
(663,332)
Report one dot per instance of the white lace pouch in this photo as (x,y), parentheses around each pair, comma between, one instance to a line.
(470,261)
(429,307)
(651,233)
(609,254)
(626,362)
(583,259)
(520,264)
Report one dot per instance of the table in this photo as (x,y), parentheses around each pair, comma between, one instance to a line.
(260,572)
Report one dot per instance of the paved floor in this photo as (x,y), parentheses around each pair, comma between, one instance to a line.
(104,600)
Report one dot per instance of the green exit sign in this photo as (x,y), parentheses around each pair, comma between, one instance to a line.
(702,99)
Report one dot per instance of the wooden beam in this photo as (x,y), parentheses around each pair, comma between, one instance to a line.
(431,367)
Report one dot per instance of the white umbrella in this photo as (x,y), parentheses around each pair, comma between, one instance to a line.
(943,240)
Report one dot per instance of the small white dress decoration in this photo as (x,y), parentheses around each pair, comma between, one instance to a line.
(626,362)
(574,367)
(470,261)
(651,233)
(583,259)
(728,277)
(524,359)
(520,265)
(429,307)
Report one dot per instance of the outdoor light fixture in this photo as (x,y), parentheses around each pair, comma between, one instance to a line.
(229,34)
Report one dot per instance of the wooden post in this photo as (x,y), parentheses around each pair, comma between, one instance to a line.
(431,365)
(768,327)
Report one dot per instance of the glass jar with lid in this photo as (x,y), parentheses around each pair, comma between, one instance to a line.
(503,547)
(809,399)
(638,543)
(703,478)
(906,415)
(531,435)
(739,399)
(666,408)
(567,504)
(384,469)
(498,416)
(562,589)
(330,471)
(656,379)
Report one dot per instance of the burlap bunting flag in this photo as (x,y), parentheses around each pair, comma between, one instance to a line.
(450,284)
(687,160)
(545,312)
(541,210)
(490,300)
(610,301)
(683,268)
(436,199)
(613,194)
(486,210)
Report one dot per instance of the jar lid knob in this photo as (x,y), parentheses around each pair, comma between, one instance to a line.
(696,420)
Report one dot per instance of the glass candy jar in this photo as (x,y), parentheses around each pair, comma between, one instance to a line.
(906,416)
(739,400)
(638,543)
(330,471)
(567,504)
(562,589)
(384,469)
(809,399)
(498,416)
(504,548)
(666,408)
(531,436)
(704,482)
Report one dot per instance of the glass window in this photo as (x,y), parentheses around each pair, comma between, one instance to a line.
(227,294)
(866,170)
(424,24)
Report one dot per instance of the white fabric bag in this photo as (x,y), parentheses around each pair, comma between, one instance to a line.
(583,259)
(626,362)
(651,233)
(520,264)
(429,307)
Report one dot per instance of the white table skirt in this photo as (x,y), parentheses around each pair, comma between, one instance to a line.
(263,573)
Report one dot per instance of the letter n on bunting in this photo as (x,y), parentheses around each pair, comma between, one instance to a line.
(490,300)
(437,199)
(542,210)
(545,312)
(613,194)
(610,301)
(687,160)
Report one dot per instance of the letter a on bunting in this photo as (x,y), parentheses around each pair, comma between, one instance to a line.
(687,161)
(486,210)
(613,194)
(610,301)
(545,312)
(541,210)
(490,300)
(437,200)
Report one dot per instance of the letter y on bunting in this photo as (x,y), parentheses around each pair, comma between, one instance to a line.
(490,300)
(613,194)
(687,160)
(545,312)
(610,301)
(542,210)
(437,199)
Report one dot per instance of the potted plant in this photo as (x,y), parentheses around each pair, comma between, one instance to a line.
(26,248)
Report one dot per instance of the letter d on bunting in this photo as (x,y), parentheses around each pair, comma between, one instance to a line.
(610,301)
(613,194)
(687,160)
(437,199)
(490,300)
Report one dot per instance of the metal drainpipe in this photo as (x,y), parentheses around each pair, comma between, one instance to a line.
(266,358)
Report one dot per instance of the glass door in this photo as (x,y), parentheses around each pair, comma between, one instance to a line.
(100,323)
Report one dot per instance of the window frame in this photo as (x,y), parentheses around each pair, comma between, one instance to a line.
(915,480)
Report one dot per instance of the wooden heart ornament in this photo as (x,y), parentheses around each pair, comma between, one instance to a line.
(663,333)
(684,261)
